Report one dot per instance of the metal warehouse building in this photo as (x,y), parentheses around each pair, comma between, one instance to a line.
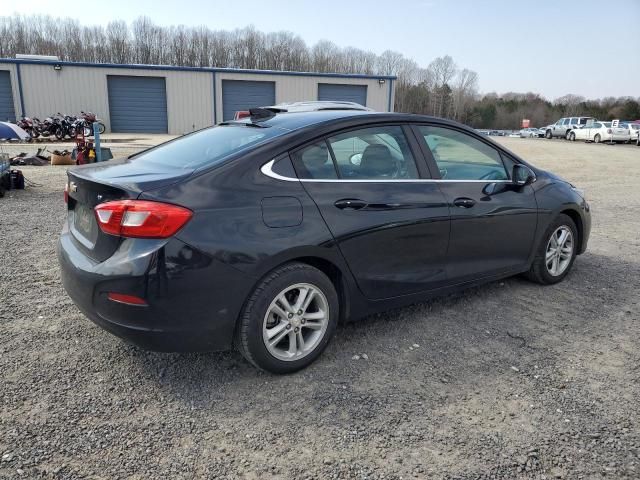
(166,99)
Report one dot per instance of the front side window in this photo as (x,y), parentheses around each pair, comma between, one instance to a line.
(460,156)
(373,153)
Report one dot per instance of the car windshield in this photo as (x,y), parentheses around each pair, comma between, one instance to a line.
(208,147)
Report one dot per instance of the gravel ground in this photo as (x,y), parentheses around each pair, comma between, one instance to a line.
(510,380)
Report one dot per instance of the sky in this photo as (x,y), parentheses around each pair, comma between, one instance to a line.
(551,47)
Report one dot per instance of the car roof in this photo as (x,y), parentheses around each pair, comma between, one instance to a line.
(316,105)
(299,120)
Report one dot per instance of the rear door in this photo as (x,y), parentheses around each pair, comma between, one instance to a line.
(390,222)
(493,222)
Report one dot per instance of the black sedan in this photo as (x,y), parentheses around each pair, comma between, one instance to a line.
(264,233)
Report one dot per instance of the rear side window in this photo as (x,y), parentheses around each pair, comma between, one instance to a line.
(207,147)
(373,153)
(460,156)
(315,162)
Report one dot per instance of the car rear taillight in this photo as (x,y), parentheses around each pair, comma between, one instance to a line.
(141,218)
(240,114)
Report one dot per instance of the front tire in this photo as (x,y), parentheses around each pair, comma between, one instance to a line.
(548,135)
(289,319)
(597,138)
(556,253)
(572,137)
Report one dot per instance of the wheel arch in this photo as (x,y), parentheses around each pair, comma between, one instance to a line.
(577,220)
(337,272)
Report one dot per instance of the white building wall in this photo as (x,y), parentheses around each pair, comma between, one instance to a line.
(294,88)
(190,103)
(72,89)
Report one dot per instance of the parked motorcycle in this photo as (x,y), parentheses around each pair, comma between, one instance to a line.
(29,125)
(50,126)
(67,126)
(89,119)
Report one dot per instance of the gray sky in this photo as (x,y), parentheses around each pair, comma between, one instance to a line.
(545,46)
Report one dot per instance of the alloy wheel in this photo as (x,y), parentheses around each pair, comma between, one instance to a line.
(559,252)
(295,322)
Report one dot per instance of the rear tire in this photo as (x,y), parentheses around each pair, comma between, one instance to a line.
(572,136)
(271,314)
(542,269)
(597,138)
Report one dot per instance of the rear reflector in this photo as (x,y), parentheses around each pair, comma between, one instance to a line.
(128,299)
(240,114)
(141,218)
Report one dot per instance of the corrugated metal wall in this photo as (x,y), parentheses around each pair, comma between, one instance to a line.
(189,93)
(294,88)
(47,91)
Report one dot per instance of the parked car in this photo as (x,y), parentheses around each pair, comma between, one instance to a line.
(266,232)
(528,133)
(600,132)
(563,126)
(634,130)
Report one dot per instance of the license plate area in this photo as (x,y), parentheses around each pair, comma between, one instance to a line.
(84,226)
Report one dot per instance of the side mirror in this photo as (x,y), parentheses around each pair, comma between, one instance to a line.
(522,175)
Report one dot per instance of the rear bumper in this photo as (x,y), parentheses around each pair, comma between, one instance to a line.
(193,300)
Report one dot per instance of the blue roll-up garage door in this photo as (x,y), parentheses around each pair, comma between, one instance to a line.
(343,93)
(243,95)
(137,104)
(6,98)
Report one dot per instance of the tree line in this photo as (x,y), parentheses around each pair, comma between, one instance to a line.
(442,88)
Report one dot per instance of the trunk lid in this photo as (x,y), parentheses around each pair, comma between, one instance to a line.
(93,184)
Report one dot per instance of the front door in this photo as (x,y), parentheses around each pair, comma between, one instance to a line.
(493,222)
(390,223)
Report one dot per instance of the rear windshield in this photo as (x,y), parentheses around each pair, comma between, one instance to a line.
(208,147)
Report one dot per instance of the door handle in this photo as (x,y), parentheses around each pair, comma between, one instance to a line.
(464,202)
(350,204)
